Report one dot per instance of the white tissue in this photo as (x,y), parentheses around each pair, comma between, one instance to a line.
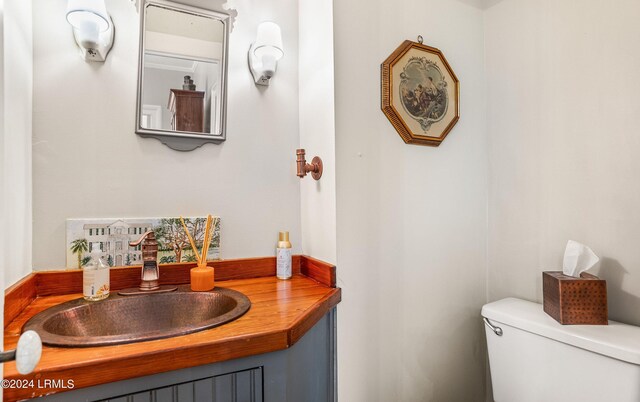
(578,258)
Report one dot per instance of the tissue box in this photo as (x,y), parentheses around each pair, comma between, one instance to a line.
(575,300)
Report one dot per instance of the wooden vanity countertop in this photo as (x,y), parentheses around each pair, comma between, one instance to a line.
(281,313)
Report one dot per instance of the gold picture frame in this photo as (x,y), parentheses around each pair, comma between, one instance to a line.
(420,93)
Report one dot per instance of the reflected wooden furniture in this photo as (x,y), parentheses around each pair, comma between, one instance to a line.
(187,110)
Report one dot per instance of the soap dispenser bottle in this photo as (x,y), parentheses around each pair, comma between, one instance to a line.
(283,256)
(95,276)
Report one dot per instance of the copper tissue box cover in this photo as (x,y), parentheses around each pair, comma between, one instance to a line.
(572,300)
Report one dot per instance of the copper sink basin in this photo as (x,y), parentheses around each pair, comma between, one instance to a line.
(125,319)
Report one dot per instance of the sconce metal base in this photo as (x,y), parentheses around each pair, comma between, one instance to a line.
(262,80)
(102,48)
(258,76)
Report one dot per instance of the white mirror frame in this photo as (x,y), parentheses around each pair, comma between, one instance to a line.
(179,140)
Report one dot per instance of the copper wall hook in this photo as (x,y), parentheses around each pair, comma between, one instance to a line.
(315,168)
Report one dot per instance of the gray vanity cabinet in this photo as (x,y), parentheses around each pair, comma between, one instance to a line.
(240,386)
(305,372)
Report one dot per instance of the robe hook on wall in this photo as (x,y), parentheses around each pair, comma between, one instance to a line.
(315,167)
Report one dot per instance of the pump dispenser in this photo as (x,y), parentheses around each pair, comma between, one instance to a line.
(283,256)
(95,276)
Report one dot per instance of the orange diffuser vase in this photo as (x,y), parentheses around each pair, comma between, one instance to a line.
(202,278)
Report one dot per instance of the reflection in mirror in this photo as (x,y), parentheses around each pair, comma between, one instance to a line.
(182,75)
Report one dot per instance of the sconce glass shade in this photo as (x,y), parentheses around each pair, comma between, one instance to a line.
(92,28)
(268,41)
(265,52)
(82,14)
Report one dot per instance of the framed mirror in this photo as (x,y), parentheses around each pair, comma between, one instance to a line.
(182,73)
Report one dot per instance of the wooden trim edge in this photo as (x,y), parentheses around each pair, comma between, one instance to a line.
(59,282)
(187,356)
(139,365)
(18,296)
(319,271)
(307,321)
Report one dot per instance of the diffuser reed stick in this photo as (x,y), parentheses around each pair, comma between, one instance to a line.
(206,241)
(193,244)
(202,276)
(214,222)
(207,238)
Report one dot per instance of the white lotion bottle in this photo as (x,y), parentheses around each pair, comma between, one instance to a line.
(95,276)
(283,256)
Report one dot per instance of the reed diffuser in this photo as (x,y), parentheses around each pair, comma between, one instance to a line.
(202,275)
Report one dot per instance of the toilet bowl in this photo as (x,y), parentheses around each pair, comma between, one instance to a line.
(533,358)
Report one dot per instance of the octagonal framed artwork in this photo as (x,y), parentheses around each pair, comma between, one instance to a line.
(420,93)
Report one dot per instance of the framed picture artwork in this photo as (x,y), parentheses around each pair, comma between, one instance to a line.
(420,93)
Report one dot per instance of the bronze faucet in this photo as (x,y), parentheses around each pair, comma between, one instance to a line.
(150,270)
(150,282)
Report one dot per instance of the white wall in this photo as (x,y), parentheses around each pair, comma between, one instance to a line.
(563,84)
(15,144)
(88,162)
(317,127)
(15,160)
(4,212)
(411,220)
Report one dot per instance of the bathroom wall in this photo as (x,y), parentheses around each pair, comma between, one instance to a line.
(563,107)
(15,139)
(411,220)
(15,144)
(88,162)
(317,127)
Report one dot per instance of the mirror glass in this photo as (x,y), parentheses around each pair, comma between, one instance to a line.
(181,91)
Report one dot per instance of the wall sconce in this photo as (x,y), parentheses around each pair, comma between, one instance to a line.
(92,28)
(302,167)
(265,53)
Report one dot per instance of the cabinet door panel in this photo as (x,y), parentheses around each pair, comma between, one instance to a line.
(223,388)
(184,392)
(240,386)
(164,394)
(145,397)
(203,390)
(245,384)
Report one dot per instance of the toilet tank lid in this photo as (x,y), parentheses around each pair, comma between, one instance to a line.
(617,340)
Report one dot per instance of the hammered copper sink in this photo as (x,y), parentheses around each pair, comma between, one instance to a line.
(126,319)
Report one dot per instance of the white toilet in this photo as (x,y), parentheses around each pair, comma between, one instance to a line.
(533,358)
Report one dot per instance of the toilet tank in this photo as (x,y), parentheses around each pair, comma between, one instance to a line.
(537,359)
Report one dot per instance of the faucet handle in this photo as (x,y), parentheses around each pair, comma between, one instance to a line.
(150,234)
(149,246)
